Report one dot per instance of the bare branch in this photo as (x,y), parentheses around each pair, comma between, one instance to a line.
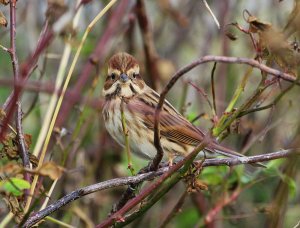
(150,175)
(187,68)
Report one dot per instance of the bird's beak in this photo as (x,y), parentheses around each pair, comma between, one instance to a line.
(124,78)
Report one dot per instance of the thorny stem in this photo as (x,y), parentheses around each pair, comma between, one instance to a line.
(275,101)
(151,54)
(238,91)
(20,135)
(183,98)
(217,130)
(201,91)
(36,217)
(213,88)
(225,120)
(228,118)
(15,65)
(186,162)
(64,88)
(8,107)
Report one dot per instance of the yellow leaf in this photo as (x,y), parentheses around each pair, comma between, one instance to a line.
(3,21)
(51,170)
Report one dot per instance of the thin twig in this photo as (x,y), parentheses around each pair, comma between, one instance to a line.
(26,69)
(16,73)
(211,13)
(213,88)
(187,68)
(202,92)
(148,176)
(186,162)
(88,190)
(272,104)
(59,102)
(151,54)
(213,212)
(22,146)
(15,64)
(239,90)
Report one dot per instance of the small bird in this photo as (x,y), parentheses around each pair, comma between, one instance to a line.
(125,86)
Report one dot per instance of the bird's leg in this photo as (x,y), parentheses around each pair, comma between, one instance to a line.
(170,159)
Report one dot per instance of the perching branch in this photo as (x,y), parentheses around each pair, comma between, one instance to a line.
(36,217)
(22,146)
(15,64)
(209,58)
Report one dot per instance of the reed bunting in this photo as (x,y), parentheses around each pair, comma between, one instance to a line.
(124,85)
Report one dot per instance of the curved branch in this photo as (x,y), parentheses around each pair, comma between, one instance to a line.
(148,176)
(209,58)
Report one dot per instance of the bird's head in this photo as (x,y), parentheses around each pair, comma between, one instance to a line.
(123,77)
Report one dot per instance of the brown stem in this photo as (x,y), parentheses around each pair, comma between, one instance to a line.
(151,55)
(21,140)
(187,68)
(166,171)
(9,107)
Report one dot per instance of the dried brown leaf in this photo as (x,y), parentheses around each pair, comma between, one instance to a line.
(256,25)
(14,207)
(56,8)
(231,36)
(28,140)
(293,24)
(3,21)
(51,170)
(4,2)
(11,168)
(274,45)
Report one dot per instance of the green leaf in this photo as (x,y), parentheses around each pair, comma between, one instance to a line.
(291,184)
(14,186)
(213,175)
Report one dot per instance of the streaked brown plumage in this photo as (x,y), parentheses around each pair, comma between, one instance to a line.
(178,136)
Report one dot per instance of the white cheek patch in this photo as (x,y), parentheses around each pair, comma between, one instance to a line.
(111,90)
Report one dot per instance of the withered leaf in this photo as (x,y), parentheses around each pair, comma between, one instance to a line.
(274,43)
(3,21)
(2,114)
(293,24)
(28,140)
(4,2)
(56,8)
(11,168)
(14,207)
(51,170)
(231,36)
(257,25)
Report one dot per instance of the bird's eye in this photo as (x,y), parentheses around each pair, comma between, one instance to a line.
(135,75)
(113,76)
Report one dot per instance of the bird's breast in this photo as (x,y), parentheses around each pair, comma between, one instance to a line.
(140,137)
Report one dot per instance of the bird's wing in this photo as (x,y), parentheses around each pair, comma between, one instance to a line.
(173,125)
